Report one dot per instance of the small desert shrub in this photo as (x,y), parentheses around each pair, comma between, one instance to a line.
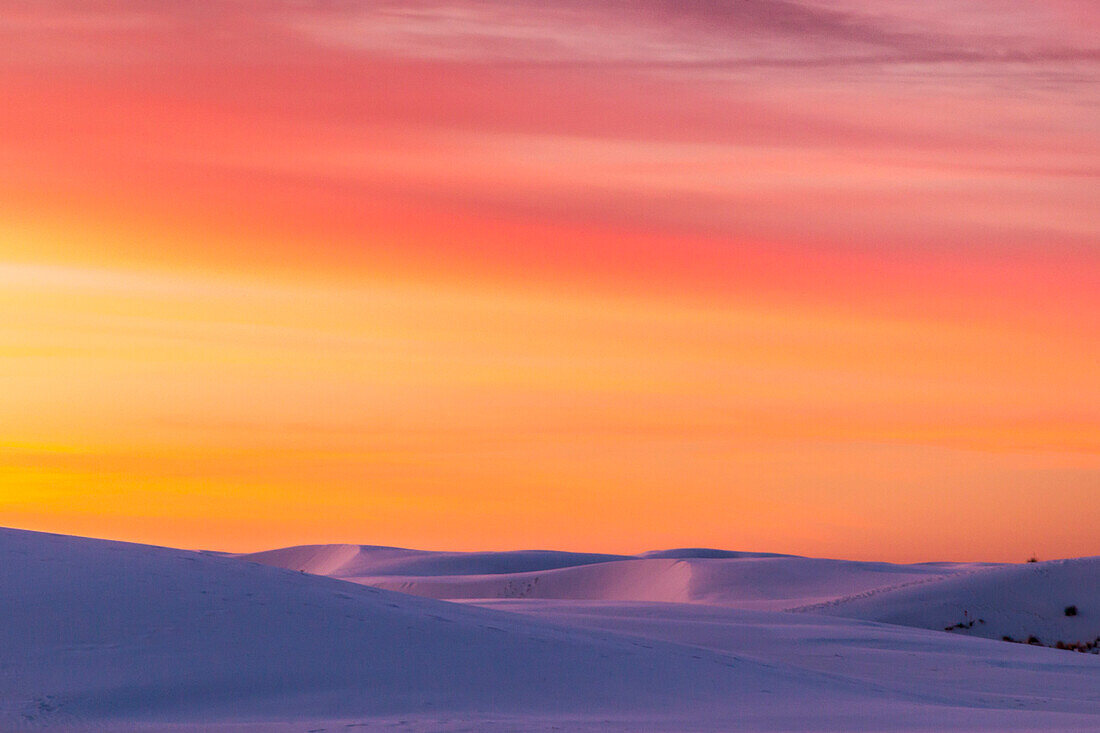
(1084,647)
(1071,610)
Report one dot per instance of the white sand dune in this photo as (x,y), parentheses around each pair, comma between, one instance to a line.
(107,636)
(345,561)
(742,579)
(106,633)
(1016,600)
(1010,600)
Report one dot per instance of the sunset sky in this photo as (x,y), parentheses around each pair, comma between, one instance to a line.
(818,277)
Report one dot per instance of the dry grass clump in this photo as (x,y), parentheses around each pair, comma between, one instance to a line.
(1084,647)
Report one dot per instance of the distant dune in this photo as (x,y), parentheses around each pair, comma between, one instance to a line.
(1021,601)
(699,575)
(976,599)
(344,561)
(107,636)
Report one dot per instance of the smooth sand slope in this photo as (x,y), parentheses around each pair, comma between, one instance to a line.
(896,660)
(111,636)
